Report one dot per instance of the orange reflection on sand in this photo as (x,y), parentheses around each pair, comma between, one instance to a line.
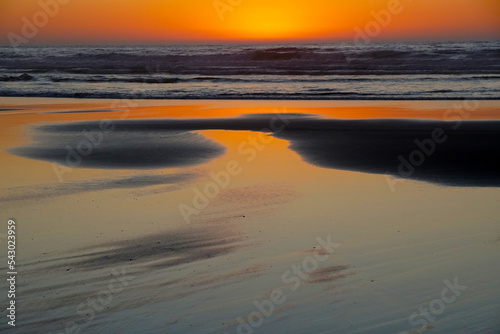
(28,113)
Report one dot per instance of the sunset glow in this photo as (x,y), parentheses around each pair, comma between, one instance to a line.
(126,21)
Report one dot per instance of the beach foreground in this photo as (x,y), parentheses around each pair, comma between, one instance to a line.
(253,216)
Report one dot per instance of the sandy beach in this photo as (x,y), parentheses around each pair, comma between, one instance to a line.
(199,216)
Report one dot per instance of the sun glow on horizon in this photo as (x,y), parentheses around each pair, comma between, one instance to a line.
(149,21)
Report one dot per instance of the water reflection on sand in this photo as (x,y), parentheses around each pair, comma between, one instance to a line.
(258,233)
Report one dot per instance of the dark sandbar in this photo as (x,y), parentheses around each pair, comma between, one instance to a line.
(460,153)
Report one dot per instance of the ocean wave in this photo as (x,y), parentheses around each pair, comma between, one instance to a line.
(276,54)
(334,71)
(22,77)
(196,95)
(216,61)
(152,79)
(96,79)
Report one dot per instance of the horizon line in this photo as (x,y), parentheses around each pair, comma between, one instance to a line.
(246,42)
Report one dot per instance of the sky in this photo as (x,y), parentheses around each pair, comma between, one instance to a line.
(206,21)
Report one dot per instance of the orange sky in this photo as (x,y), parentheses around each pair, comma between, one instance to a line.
(159,21)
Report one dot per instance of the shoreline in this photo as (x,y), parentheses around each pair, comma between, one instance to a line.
(239,98)
(38,99)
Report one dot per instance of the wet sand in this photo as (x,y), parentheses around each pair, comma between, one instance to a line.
(214,217)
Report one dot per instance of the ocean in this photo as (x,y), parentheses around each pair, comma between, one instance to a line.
(372,71)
